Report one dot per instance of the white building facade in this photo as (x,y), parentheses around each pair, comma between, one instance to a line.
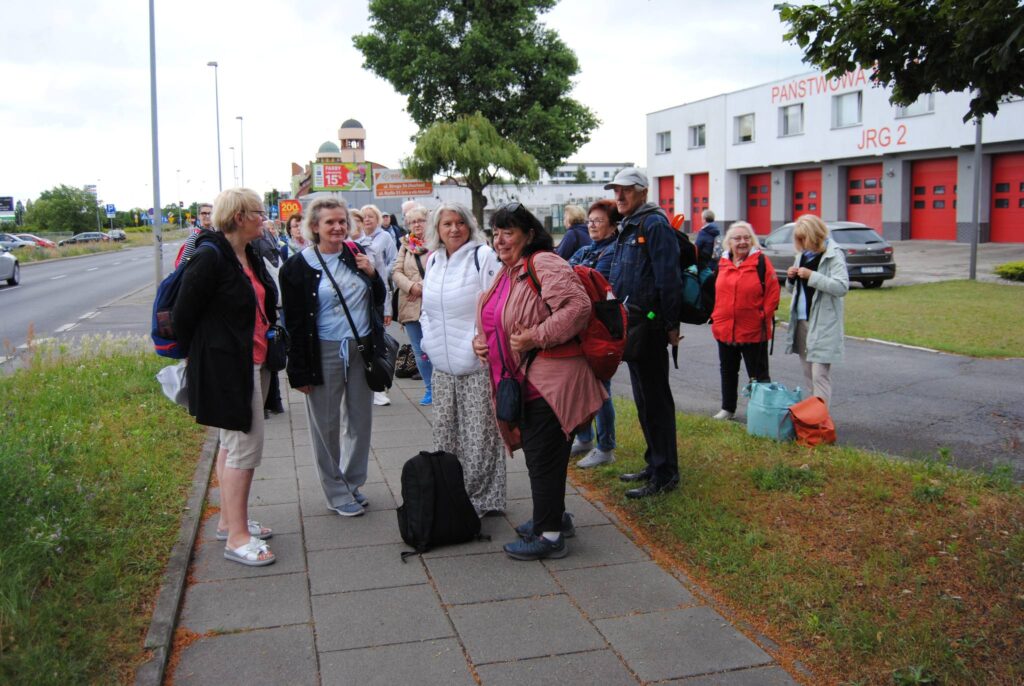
(837,148)
(596,172)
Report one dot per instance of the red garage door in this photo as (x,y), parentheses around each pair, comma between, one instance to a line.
(806,192)
(667,194)
(698,199)
(933,200)
(1008,198)
(864,195)
(759,202)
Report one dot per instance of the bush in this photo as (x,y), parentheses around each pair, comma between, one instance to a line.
(1014,271)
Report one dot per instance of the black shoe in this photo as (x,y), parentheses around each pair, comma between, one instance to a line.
(525,530)
(276,410)
(416,377)
(266,414)
(652,488)
(635,476)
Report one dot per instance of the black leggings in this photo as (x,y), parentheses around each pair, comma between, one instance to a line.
(547,460)
(755,357)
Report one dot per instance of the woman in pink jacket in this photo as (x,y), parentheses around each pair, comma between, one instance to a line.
(527,334)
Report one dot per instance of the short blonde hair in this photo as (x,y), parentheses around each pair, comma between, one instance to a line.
(416,211)
(314,211)
(375,210)
(574,214)
(231,202)
(811,232)
(742,225)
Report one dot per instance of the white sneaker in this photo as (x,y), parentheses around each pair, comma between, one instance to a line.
(579,447)
(381,399)
(724,414)
(596,457)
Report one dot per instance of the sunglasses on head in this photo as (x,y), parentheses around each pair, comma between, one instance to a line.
(512,207)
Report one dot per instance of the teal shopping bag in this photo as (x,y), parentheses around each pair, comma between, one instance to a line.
(768,410)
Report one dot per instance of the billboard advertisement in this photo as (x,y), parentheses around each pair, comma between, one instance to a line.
(6,204)
(389,183)
(289,208)
(342,176)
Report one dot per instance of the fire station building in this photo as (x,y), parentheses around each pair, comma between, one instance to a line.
(837,148)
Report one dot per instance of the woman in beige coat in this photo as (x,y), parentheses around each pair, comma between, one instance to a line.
(407,274)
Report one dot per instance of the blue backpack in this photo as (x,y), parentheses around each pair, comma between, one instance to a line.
(165,342)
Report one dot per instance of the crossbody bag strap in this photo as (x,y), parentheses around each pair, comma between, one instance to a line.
(348,315)
(419,265)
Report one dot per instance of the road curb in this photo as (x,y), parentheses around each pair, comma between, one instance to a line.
(160,636)
(905,346)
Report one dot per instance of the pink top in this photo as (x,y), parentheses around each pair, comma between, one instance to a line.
(494,332)
(259,332)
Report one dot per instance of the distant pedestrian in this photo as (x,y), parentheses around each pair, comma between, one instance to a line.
(205,224)
(576,235)
(380,246)
(390,224)
(268,247)
(222,313)
(294,241)
(744,312)
(407,273)
(706,239)
(324,363)
(818,281)
(355,231)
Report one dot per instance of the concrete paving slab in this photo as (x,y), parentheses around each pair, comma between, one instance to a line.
(279,447)
(430,663)
(759,676)
(583,513)
(518,629)
(395,458)
(416,439)
(284,655)
(495,527)
(378,617)
(275,468)
(483,578)
(358,569)
(273,492)
(210,564)
(411,422)
(618,590)
(517,486)
(596,546)
(372,528)
(262,602)
(516,464)
(701,641)
(379,495)
(283,519)
(578,669)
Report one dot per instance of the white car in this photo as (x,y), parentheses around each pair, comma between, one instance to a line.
(10,270)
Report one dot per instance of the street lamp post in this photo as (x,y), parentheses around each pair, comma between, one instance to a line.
(177,175)
(216,100)
(234,165)
(241,146)
(158,237)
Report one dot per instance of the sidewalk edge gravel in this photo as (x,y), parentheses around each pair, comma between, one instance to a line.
(172,590)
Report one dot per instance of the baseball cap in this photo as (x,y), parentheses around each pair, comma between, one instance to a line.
(630,176)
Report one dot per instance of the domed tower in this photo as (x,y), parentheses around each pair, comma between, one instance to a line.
(328,152)
(353,141)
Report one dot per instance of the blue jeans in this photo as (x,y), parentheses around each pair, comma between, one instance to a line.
(415,333)
(605,424)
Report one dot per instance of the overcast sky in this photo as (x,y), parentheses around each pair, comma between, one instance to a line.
(76,106)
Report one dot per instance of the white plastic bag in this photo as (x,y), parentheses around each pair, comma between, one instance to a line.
(172,382)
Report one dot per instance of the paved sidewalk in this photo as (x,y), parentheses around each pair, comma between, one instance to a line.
(339,606)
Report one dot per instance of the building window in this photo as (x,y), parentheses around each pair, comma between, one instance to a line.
(791,120)
(923,105)
(743,128)
(846,110)
(664,142)
(697,136)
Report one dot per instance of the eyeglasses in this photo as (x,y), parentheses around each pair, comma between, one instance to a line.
(596,222)
(205,214)
(417,221)
(262,213)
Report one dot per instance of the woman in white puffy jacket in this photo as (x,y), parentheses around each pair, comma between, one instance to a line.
(460,268)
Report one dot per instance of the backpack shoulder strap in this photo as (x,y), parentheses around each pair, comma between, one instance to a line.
(476,257)
(531,273)
(761,269)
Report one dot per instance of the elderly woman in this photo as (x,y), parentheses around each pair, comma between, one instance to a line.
(294,242)
(576,233)
(602,224)
(746,297)
(407,273)
(380,246)
(528,322)
(461,267)
(333,298)
(818,281)
(226,304)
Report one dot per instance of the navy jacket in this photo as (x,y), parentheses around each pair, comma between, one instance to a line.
(706,243)
(576,236)
(597,256)
(646,275)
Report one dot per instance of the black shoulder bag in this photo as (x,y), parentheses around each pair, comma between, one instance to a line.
(379,364)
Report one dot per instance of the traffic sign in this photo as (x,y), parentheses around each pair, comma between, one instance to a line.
(150,211)
(111,211)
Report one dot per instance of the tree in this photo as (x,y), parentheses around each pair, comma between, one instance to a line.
(581,175)
(19,214)
(63,208)
(470,152)
(918,46)
(455,58)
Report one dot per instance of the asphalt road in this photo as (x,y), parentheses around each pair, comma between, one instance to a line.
(56,296)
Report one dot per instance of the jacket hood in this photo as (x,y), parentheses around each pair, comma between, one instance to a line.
(645,209)
(711,228)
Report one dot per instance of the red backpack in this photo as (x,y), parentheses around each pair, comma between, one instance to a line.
(603,340)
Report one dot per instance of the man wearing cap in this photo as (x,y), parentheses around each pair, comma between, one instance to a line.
(645,275)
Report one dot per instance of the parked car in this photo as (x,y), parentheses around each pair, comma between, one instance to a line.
(10,270)
(86,237)
(869,257)
(40,242)
(117,235)
(12,242)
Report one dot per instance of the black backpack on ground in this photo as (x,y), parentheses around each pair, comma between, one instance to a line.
(435,508)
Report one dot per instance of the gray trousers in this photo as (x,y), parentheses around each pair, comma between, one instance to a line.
(341,457)
(818,374)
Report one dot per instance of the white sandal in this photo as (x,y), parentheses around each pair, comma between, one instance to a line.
(249,554)
(255,529)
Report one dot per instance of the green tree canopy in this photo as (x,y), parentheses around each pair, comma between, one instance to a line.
(581,175)
(470,152)
(918,46)
(63,208)
(460,57)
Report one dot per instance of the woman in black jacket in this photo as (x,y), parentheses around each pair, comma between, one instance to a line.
(221,316)
(324,362)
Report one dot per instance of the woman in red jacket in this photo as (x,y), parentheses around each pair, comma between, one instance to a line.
(746,296)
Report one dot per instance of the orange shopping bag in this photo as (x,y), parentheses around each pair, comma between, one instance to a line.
(812,423)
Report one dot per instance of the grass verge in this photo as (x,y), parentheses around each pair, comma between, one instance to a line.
(95,467)
(974,318)
(26,255)
(867,569)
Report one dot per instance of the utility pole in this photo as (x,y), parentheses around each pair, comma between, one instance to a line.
(241,146)
(216,100)
(158,212)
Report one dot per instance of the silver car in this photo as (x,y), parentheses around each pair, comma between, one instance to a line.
(10,270)
(869,257)
(10,241)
